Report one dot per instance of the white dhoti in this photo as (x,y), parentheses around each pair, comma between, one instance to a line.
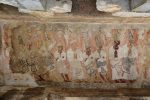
(61,67)
(103,70)
(133,73)
(77,70)
(116,70)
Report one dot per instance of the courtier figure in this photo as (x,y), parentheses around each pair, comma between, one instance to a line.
(129,60)
(61,63)
(116,53)
(100,57)
(75,58)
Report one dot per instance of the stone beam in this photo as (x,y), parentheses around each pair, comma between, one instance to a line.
(112,5)
(37,6)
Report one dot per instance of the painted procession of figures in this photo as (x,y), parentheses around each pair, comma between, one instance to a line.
(121,55)
(95,57)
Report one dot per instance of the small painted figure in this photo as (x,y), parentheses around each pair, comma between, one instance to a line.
(115,56)
(89,63)
(60,57)
(74,57)
(146,55)
(101,65)
(116,53)
(130,59)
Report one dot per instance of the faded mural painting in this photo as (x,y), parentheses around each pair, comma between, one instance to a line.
(79,52)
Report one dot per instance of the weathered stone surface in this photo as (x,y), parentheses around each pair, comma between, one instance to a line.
(131,14)
(11,95)
(55,97)
(37,93)
(2,78)
(112,5)
(10,2)
(40,14)
(0,38)
(31,4)
(35,7)
(97,98)
(19,79)
(140,8)
(144,7)
(136,3)
(59,6)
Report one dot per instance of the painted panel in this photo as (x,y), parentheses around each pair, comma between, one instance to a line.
(80,52)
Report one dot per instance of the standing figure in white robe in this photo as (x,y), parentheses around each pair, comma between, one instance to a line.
(89,63)
(115,57)
(130,65)
(130,60)
(60,57)
(101,63)
(74,57)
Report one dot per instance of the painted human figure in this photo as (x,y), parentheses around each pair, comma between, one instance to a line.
(115,57)
(100,56)
(129,59)
(35,40)
(101,65)
(89,63)
(130,65)
(116,53)
(75,58)
(60,57)
(146,55)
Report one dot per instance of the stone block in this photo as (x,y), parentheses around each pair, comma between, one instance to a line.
(10,2)
(31,4)
(144,7)
(59,6)
(112,5)
(136,3)
(131,14)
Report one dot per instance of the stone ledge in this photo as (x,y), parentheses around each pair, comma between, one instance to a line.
(77,92)
(74,19)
